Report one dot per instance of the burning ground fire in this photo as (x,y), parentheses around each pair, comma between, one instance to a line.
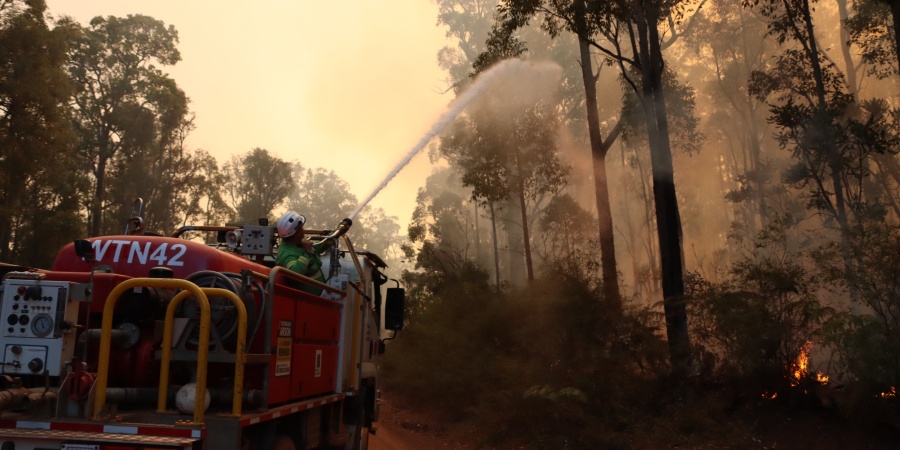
(799,369)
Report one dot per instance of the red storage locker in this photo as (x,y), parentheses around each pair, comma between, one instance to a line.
(280,370)
(314,369)
(318,320)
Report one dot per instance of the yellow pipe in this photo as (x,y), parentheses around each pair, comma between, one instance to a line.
(239,356)
(239,350)
(202,351)
(166,357)
(106,334)
(362,275)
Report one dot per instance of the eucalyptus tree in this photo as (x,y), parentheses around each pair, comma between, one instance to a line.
(321,195)
(441,229)
(687,139)
(257,183)
(833,138)
(171,179)
(468,23)
(38,186)
(565,230)
(627,33)
(875,28)
(206,198)
(121,94)
(729,42)
(515,15)
(377,232)
(508,155)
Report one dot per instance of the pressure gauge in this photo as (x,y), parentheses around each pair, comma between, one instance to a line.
(42,325)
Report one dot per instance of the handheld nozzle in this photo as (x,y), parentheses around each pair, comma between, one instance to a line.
(345,225)
(341,230)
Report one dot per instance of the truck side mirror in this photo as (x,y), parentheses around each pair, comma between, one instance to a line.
(393,309)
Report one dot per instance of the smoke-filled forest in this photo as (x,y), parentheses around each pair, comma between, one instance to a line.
(691,245)
(687,238)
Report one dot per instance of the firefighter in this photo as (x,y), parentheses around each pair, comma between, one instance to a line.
(299,254)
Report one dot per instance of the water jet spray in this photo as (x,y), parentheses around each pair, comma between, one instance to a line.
(502,69)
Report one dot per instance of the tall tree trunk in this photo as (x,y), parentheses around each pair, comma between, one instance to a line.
(753,137)
(526,239)
(6,214)
(523,216)
(514,241)
(97,203)
(895,15)
(758,179)
(889,175)
(599,150)
(668,222)
(850,67)
(99,189)
(822,122)
(647,211)
(479,254)
(494,240)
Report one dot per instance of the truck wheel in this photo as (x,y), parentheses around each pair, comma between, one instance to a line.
(283,442)
(359,439)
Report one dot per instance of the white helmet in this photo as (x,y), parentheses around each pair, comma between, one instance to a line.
(289,223)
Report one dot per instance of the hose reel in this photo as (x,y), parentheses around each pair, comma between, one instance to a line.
(223,314)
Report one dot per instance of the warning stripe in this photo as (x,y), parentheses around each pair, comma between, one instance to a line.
(175,432)
(292,408)
(93,427)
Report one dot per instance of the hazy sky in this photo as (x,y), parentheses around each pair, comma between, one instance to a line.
(349,86)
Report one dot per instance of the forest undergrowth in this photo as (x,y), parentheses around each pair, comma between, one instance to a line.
(555,366)
(711,419)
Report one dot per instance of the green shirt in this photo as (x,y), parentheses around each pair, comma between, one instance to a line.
(298,260)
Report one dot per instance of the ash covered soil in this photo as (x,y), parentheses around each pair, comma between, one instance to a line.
(402,427)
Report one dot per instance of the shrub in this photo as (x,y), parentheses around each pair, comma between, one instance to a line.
(752,326)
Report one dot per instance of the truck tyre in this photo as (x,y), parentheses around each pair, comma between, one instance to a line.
(356,422)
(283,442)
(359,439)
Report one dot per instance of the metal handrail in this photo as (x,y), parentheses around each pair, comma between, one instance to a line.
(239,352)
(301,278)
(186,228)
(106,336)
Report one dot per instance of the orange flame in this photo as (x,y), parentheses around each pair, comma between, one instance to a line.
(800,368)
(889,394)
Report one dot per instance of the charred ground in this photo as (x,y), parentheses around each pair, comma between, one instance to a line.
(712,420)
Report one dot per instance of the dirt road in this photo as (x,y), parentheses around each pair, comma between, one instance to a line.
(399,428)
(393,437)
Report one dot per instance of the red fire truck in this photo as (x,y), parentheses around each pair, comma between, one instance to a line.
(114,346)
